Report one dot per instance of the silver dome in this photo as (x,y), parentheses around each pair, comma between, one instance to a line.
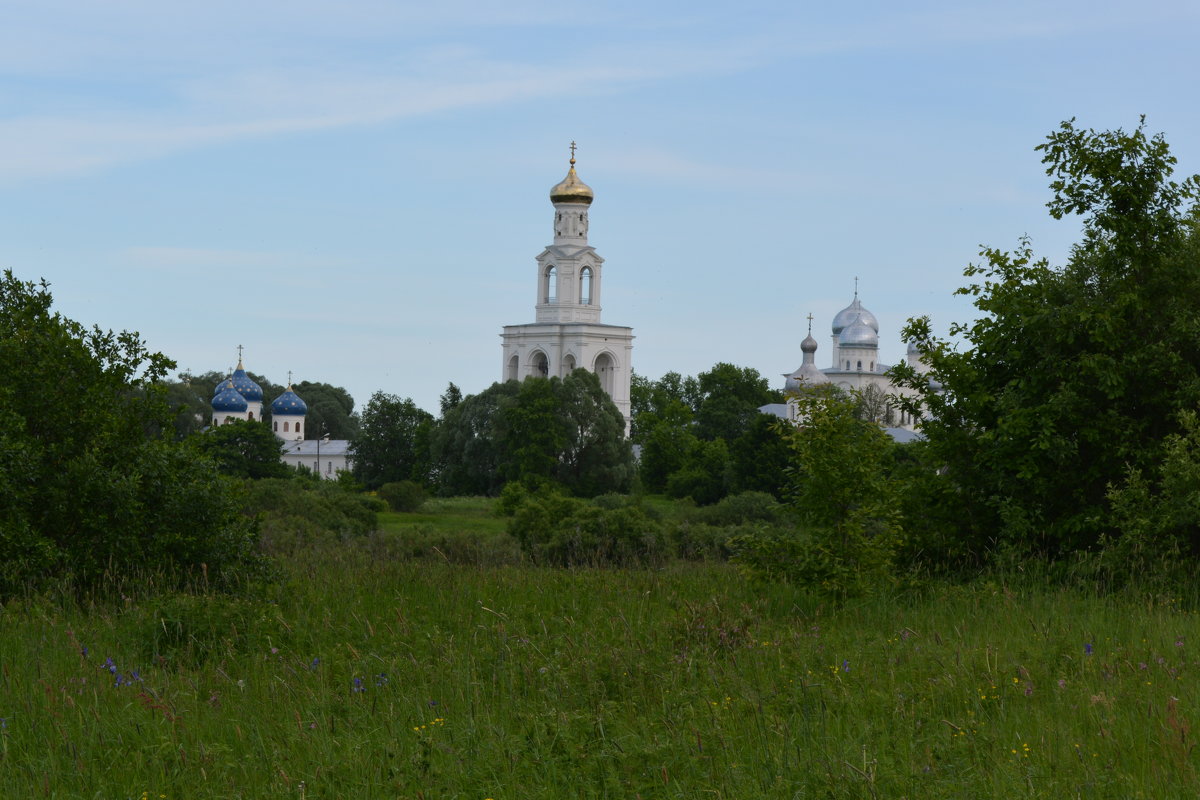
(858,334)
(808,374)
(847,315)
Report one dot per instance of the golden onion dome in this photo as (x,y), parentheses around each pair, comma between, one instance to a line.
(571,189)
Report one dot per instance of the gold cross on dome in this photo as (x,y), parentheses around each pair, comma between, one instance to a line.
(573,152)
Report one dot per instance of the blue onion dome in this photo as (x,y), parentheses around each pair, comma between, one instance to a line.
(858,334)
(227,398)
(245,386)
(571,189)
(289,403)
(848,314)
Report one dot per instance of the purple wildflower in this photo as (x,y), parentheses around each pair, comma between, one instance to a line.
(1087,648)
(381,679)
(110,666)
(358,685)
(313,663)
(845,665)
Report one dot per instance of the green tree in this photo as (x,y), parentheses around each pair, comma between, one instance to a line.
(243,449)
(330,410)
(392,443)
(466,449)
(596,458)
(566,431)
(1071,376)
(704,474)
(667,438)
(729,400)
(760,457)
(843,495)
(92,480)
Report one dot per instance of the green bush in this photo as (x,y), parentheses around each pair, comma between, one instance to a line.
(405,496)
(835,566)
(563,531)
(293,512)
(92,482)
(737,509)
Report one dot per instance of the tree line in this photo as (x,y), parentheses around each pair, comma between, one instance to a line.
(1060,425)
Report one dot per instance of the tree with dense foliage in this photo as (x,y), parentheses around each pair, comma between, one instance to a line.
(92,480)
(561,430)
(466,451)
(1073,378)
(698,435)
(729,400)
(760,457)
(392,443)
(330,410)
(243,449)
(843,495)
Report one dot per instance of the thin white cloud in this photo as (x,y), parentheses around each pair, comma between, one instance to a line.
(264,103)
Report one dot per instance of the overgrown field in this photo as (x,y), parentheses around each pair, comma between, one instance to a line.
(376,671)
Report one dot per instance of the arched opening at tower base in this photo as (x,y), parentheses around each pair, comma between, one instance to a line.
(539,366)
(605,368)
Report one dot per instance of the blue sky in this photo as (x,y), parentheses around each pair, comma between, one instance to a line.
(356,191)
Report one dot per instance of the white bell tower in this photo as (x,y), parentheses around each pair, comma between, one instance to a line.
(567,333)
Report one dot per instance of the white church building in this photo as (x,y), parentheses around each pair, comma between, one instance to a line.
(854,365)
(238,397)
(567,332)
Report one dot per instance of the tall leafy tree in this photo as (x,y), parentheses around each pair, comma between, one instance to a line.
(565,431)
(1071,375)
(729,399)
(243,449)
(392,443)
(92,479)
(467,451)
(330,410)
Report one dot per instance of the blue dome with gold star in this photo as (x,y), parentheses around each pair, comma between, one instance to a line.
(228,398)
(289,403)
(246,387)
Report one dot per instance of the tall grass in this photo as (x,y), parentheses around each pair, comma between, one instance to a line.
(365,676)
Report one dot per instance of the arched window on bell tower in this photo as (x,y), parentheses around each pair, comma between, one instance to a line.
(585,286)
(550,290)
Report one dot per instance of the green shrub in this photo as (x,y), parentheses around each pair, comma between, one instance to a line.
(737,509)
(405,496)
(563,531)
(293,512)
(835,566)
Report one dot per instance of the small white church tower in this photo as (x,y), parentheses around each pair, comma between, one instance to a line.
(567,332)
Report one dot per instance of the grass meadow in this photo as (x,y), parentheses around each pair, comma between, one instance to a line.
(428,661)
